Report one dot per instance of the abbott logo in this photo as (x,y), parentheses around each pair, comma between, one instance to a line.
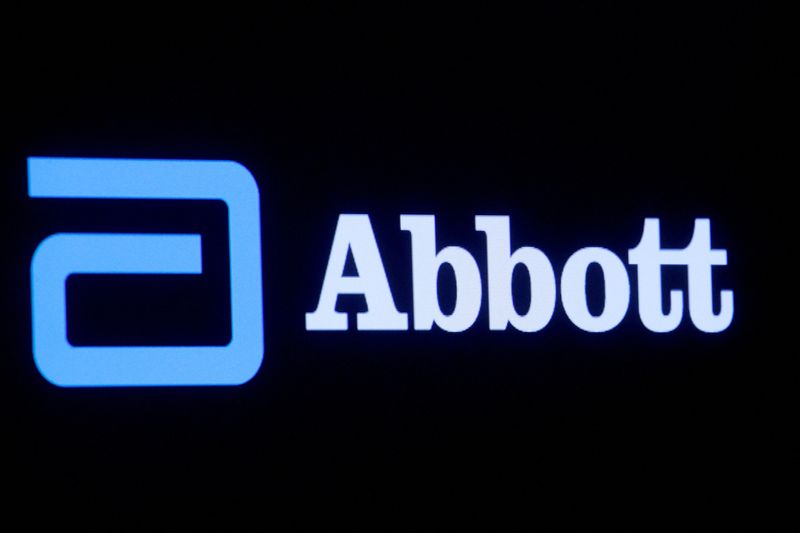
(354,235)
(62,254)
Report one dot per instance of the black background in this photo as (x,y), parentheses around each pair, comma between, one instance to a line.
(576,120)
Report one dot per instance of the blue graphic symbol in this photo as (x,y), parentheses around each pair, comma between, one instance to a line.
(62,254)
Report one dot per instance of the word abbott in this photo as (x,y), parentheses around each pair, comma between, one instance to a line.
(354,234)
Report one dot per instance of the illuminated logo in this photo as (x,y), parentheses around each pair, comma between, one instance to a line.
(63,254)
(354,235)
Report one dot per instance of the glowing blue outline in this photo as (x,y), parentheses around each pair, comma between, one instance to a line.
(62,254)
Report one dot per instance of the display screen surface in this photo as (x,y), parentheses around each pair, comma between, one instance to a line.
(470,262)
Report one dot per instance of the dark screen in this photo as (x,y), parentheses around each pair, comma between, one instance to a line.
(577,121)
